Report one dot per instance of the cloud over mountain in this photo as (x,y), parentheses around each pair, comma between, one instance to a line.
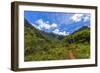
(44,25)
(57,31)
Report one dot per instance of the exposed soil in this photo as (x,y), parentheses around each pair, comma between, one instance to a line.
(71,55)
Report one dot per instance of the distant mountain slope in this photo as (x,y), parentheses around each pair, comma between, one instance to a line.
(52,36)
(82,28)
(81,35)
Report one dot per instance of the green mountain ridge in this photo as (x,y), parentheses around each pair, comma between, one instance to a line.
(81,35)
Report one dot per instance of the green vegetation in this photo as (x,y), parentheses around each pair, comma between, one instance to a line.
(40,45)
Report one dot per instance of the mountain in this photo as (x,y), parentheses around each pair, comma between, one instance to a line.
(81,35)
(40,45)
(32,31)
(80,29)
(52,36)
(34,40)
(45,35)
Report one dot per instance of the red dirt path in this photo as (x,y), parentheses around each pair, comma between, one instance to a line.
(71,55)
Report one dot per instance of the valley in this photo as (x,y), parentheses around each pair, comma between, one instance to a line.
(40,45)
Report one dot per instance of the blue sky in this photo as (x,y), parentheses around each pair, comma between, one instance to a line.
(60,23)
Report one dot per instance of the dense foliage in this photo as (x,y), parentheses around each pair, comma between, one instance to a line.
(40,45)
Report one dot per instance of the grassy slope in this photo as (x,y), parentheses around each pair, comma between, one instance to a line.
(80,42)
(42,46)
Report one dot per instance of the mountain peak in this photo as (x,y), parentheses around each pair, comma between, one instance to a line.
(82,28)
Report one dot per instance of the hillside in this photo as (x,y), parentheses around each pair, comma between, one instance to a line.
(33,38)
(80,36)
(79,42)
(40,45)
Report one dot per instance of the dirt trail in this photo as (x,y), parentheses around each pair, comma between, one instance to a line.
(71,55)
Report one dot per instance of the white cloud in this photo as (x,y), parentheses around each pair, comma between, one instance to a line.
(45,25)
(86,18)
(63,33)
(77,17)
(42,24)
(57,31)
(53,25)
(40,21)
